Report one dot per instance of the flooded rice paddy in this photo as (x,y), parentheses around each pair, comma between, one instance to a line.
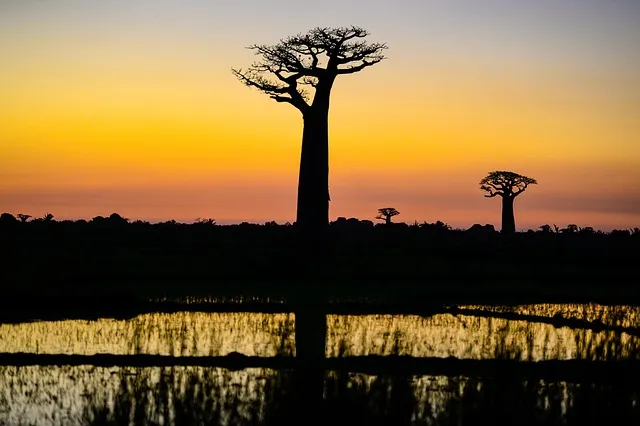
(121,394)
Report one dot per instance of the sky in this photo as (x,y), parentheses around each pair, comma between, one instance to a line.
(130,106)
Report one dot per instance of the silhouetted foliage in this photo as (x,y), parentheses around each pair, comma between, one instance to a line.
(205,221)
(386,213)
(438,226)
(313,60)
(507,185)
(482,229)
(116,219)
(570,229)
(621,232)
(112,259)
(546,229)
(23,217)
(8,218)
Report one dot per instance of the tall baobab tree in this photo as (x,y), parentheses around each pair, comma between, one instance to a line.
(301,70)
(386,214)
(507,185)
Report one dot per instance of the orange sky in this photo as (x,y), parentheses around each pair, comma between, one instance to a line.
(111,110)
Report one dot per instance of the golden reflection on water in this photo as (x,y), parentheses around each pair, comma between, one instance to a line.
(445,335)
(616,315)
(82,395)
(178,334)
(253,334)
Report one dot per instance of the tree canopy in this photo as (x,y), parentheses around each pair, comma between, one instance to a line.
(291,70)
(505,184)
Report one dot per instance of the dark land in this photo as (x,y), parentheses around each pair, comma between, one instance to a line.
(110,263)
(111,267)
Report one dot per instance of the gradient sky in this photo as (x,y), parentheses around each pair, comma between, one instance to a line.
(129,106)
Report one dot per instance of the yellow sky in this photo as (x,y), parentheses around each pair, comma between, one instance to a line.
(158,128)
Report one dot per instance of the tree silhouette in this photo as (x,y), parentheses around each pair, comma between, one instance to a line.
(546,229)
(570,229)
(386,214)
(508,185)
(7,218)
(23,217)
(313,60)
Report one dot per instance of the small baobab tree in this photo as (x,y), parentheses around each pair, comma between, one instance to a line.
(23,217)
(507,185)
(301,70)
(386,214)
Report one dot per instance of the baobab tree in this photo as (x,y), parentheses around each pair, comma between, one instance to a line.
(23,217)
(386,214)
(301,70)
(507,185)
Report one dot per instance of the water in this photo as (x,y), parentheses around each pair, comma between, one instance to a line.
(266,335)
(90,395)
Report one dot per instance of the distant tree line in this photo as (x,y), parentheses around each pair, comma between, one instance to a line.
(115,219)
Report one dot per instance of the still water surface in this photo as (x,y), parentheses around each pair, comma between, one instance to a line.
(253,334)
(87,395)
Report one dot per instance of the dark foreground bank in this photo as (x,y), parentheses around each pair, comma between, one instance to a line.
(111,260)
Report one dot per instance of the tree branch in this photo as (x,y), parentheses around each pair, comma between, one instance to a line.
(276,92)
(505,184)
(360,67)
(521,189)
(298,60)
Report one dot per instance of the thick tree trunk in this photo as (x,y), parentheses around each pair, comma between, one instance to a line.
(310,335)
(508,218)
(313,182)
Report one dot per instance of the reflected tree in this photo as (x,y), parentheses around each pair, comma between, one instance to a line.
(507,185)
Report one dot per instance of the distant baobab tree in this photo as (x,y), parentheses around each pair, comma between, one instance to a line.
(507,185)
(386,214)
(314,60)
(23,217)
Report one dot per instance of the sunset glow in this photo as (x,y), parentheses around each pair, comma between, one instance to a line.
(130,107)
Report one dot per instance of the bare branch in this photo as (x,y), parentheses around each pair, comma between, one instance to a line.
(310,59)
(277,92)
(363,65)
(505,184)
(490,190)
(310,81)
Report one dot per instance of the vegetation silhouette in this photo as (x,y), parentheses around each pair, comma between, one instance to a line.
(82,265)
(507,185)
(212,396)
(386,214)
(23,217)
(314,60)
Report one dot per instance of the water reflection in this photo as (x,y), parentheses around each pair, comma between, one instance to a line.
(195,395)
(93,395)
(613,315)
(253,334)
(177,334)
(446,335)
